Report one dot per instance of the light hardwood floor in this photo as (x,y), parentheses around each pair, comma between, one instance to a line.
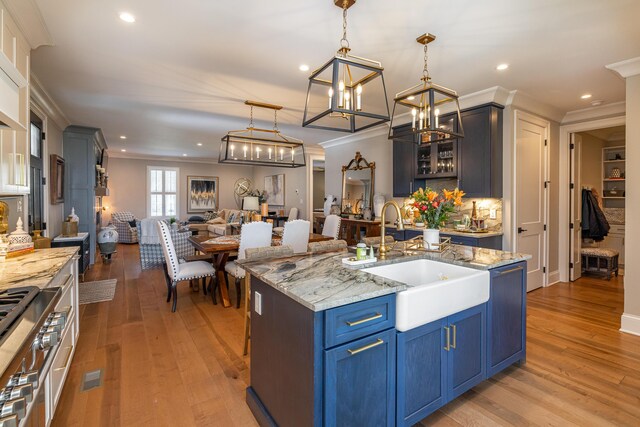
(186,368)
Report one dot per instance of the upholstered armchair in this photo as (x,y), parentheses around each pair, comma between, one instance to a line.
(125,224)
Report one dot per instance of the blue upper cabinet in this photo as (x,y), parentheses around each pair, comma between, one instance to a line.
(480,152)
(360,382)
(506,317)
(404,167)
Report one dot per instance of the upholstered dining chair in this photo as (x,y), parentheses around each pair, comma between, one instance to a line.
(178,271)
(252,235)
(331,226)
(293,215)
(296,235)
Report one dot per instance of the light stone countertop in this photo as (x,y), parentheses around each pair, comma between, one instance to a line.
(321,281)
(34,269)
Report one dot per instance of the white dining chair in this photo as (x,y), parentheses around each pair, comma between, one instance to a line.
(178,271)
(331,226)
(293,214)
(296,235)
(252,235)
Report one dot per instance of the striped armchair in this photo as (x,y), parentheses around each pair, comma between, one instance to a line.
(126,232)
(151,255)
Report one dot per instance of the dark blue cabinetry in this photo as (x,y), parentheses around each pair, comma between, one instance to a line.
(506,317)
(439,361)
(359,384)
(494,242)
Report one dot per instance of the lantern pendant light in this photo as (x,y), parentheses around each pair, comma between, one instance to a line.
(347,93)
(418,111)
(262,147)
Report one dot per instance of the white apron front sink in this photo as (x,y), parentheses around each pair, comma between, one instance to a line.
(436,290)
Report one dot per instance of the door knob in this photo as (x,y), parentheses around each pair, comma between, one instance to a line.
(521,230)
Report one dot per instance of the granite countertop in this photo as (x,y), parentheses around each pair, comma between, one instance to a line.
(452,232)
(34,269)
(321,281)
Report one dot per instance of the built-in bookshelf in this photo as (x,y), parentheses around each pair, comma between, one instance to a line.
(613,176)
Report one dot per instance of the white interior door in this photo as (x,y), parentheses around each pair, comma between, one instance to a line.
(575,241)
(531,171)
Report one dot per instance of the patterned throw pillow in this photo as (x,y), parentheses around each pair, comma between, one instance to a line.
(208,216)
(231,218)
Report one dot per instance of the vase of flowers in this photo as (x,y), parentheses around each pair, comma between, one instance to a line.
(434,209)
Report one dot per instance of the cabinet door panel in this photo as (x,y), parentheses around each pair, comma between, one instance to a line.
(506,317)
(360,384)
(467,354)
(475,153)
(421,372)
(404,167)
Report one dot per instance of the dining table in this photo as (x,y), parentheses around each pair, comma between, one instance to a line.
(220,248)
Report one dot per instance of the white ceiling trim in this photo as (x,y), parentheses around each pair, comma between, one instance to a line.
(627,68)
(526,102)
(29,20)
(133,156)
(592,113)
(42,99)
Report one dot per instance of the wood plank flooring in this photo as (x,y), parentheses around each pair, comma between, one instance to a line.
(187,369)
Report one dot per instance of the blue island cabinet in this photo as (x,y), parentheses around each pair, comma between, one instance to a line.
(439,361)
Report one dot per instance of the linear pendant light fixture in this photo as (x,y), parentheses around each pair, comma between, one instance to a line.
(262,147)
(347,93)
(422,107)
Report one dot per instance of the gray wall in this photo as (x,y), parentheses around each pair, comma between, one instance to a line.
(591,162)
(54,146)
(295,183)
(128,184)
(318,189)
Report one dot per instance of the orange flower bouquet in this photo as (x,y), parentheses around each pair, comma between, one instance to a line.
(435,208)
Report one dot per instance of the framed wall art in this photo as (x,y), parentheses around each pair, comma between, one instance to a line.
(56,179)
(202,194)
(274,187)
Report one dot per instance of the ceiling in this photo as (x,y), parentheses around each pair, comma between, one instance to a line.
(615,133)
(180,73)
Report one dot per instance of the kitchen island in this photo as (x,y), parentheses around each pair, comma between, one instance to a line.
(325,349)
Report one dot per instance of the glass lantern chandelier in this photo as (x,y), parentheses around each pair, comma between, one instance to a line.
(421,107)
(347,93)
(262,147)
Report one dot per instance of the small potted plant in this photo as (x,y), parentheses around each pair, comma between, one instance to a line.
(173,222)
(434,210)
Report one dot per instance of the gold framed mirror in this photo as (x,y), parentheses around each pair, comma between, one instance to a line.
(358,184)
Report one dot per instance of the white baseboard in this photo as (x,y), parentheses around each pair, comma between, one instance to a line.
(630,324)
(554,277)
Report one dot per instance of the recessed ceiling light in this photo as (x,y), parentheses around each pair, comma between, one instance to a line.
(199,144)
(184,154)
(303,67)
(597,102)
(123,137)
(502,67)
(123,150)
(127,17)
(411,98)
(586,96)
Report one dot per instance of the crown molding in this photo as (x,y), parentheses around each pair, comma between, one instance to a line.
(524,101)
(592,113)
(134,156)
(314,151)
(45,102)
(30,22)
(626,68)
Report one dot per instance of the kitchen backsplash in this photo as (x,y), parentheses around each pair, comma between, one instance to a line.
(483,208)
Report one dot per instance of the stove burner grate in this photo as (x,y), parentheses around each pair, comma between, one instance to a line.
(13,302)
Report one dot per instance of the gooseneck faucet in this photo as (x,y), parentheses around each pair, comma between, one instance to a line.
(383,247)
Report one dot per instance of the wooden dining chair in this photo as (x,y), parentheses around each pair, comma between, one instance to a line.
(252,235)
(180,271)
(254,254)
(296,235)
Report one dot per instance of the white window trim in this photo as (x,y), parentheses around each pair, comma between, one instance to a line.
(148,193)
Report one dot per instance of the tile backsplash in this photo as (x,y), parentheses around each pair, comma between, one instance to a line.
(483,209)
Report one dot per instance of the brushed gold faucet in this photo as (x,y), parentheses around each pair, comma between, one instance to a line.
(383,247)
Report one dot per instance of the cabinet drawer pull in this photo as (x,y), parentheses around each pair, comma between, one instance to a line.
(66,362)
(366,347)
(510,271)
(365,320)
(448,346)
(454,336)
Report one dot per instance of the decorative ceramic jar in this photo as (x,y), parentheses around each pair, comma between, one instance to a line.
(107,239)
(328,201)
(19,235)
(73,217)
(431,238)
(366,214)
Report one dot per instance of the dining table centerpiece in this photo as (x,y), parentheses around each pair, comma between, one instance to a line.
(434,209)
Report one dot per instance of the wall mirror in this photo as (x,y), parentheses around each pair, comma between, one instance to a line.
(358,181)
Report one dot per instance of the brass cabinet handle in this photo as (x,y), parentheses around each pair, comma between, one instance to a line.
(365,320)
(366,347)
(454,336)
(448,346)
(510,271)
